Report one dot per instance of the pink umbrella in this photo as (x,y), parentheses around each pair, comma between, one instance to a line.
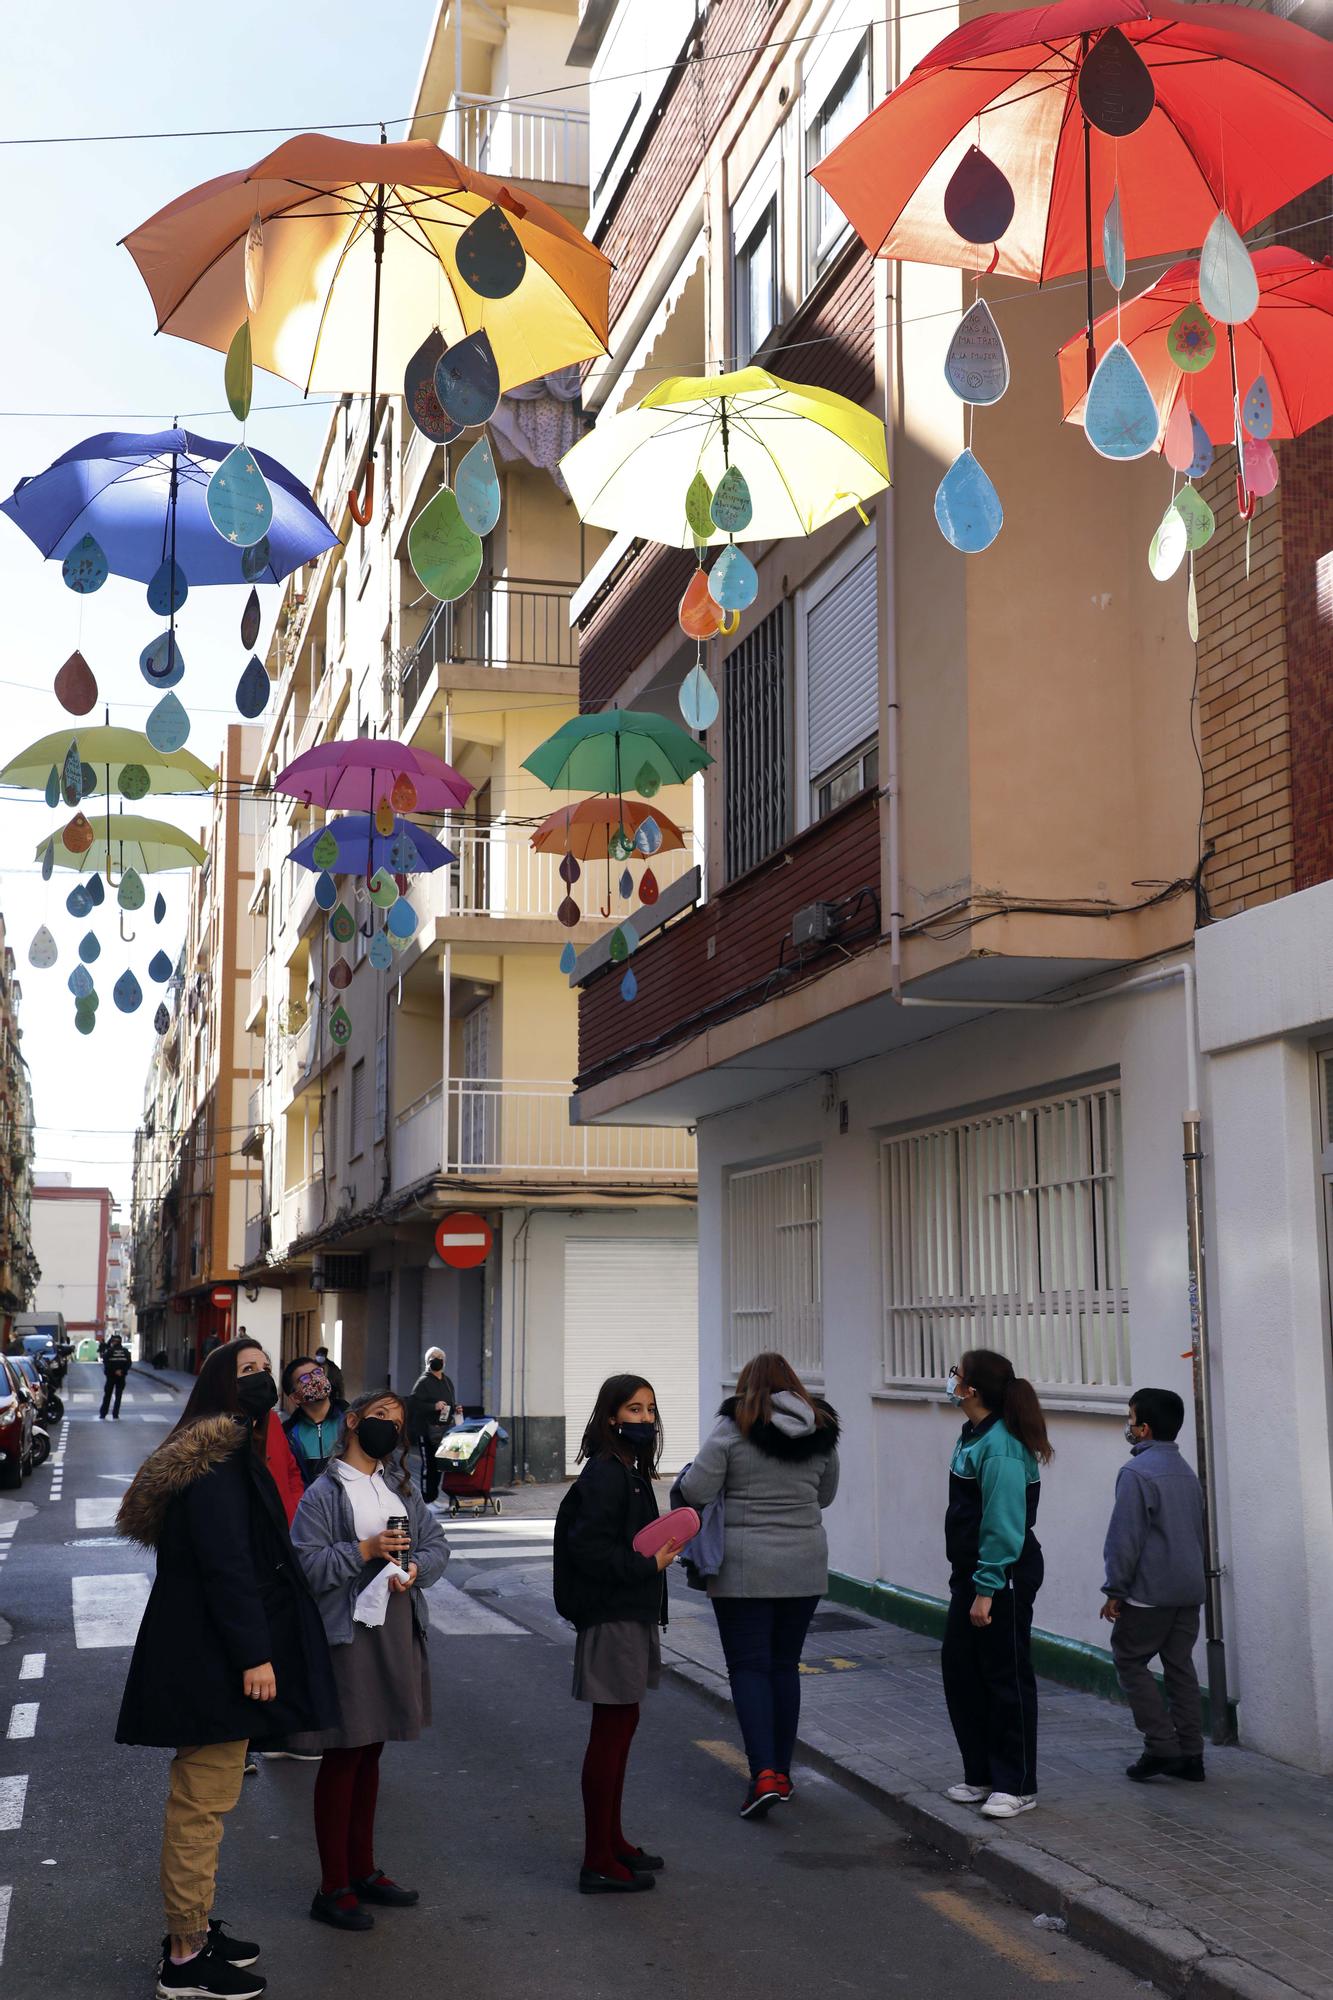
(359,775)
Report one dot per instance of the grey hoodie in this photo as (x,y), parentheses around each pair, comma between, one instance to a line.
(775,1485)
(1154,1545)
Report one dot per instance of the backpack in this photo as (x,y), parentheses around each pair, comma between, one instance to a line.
(563,1581)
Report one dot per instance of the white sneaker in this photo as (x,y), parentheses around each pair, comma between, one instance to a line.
(968,1795)
(1008,1805)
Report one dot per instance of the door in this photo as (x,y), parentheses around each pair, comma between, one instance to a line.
(476,1120)
(631,1302)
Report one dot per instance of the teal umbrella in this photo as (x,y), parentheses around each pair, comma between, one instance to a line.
(617,750)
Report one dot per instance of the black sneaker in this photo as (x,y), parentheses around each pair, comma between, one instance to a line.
(210,1977)
(234,1950)
(1148,1766)
(1191,1769)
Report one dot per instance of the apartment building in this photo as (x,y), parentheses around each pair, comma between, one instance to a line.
(71,1241)
(190,1175)
(932,1012)
(18,1260)
(452,1092)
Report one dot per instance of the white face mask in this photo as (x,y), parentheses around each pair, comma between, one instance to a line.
(951,1387)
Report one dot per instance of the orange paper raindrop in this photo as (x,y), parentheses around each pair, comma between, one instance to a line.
(78,836)
(403,797)
(700,615)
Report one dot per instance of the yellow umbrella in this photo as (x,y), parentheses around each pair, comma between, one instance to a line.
(149,846)
(806,456)
(109,752)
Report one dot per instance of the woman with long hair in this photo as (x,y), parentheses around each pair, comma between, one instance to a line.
(773,1456)
(230,1647)
(995,1572)
(368,1576)
(616,1600)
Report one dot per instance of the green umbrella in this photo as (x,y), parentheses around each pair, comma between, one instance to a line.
(617,750)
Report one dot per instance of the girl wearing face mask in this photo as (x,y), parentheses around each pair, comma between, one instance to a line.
(616,1598)
(368,1580)
(230,1648)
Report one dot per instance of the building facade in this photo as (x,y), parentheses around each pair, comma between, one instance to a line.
(932,1009)
(71,1240)
(18,1258)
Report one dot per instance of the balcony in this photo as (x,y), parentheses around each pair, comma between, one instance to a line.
(520,1132)
(522,142)
(252,1139)
(256,1239)
(258,999)
(302,1209)
(508,623)
(498,875)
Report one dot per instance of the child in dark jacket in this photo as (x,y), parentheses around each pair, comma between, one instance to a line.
(1155,1585)
(616,1599)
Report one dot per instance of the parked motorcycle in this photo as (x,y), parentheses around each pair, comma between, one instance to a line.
(41,1445)
(51,1409)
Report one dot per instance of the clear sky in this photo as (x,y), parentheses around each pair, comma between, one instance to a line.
(77,342)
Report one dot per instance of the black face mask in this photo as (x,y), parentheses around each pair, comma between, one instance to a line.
(377,1436)
(638,1434)
(257,1394)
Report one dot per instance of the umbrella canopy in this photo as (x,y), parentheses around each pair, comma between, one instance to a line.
(613,751)
(807,454)
(332,211)
(361,773)
(1243,120)
(1289,341)
(584,830)
(108,751)
(118,488)
(152,846)
(361,851)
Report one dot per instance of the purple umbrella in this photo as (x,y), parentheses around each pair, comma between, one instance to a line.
(361,774)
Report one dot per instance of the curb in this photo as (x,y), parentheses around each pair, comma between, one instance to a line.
(1142,1939)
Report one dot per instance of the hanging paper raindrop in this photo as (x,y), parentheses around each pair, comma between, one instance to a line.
(71,776)
(239,503)
(1197,515)
(384,819)
(967,507)
(326,891)
(96,894)
(159,968)
(976,366)
(324,853)
(255,560)
(127,992)
(1228,282)
(78,836)
(380,953)
(978,202)
(159,907)
(53,787)
(42,951)
(84,1023)
(250,620)
(76,686)
(467,380)
(1190,341)
(1120,416)
(162,1019)
(48,860)
(477,488)
(733,580)
(78,902)
(130,894)
(383,889)
(89,778)
(491,261)
(168,726)
(253,689)
(238,374)
(649,782)
(398,943)
(569,869)
(629,985)
(700,615)
(80,982)
(569,958)
(731,508)
(1260,462)
(699,508)
(401,853)
(444,552)
(340,974)
(648,889)
(626,883)
(1115,87)
(85,568)
(403,799)
(1178,445)
(619,946)
(401,921)
(1166,551)
(698,700)
(1113,242)
(342,925)
(423,405)
(254,263)
(620,846)
(1192,609)
(340,1027)
(648,838)
(168,589)
(1201,456)
(90,949)
(162,663)
(1257,410)
(568,913)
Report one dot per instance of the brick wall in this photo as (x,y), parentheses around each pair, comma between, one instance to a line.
(830,342)
(725,957)
(638,611)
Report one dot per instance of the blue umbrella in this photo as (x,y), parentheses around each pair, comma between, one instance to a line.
(142,498)
(361,851)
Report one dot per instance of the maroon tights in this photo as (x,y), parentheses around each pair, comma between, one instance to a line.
(345,1793)
(612,1732)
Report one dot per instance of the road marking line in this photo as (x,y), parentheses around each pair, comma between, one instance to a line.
(457,1615)
(5,1895)
(33,1667)
(22,1720)
(805,1669)
(842,1666)
(726,1753)
(13,1792)
(107,1609)
(97,1513)
(6,1529)
(949,1903)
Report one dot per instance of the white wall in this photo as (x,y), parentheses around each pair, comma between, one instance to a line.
(67,1242)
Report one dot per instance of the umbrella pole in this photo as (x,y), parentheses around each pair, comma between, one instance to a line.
(363,504)
(1087,226)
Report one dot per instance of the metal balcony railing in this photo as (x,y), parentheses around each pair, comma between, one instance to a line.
(503,623)
(503,1128)
(530,142)
(497,873)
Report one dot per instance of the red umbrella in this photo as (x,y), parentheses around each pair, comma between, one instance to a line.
(1242,120)
(1289,341)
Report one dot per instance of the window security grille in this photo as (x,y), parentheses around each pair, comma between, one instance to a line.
(1006,1230)
(755,757)
(774,1250)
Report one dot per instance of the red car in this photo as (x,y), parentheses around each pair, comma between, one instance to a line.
(16,1421)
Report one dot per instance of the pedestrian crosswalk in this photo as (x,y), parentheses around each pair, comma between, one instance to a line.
(107,1609)
(487,1540)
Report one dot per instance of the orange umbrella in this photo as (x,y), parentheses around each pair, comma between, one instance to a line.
(585,830)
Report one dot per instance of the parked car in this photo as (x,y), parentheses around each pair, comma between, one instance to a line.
(17,1417)
(31,1376)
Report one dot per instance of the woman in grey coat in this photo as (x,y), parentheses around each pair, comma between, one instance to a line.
(773,1456)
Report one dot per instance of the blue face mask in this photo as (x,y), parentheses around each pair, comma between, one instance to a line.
(951,1387)
(638,1434)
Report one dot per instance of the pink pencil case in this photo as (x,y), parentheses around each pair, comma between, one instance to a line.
(680,1525)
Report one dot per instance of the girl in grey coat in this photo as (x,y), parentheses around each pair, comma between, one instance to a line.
(773,1456)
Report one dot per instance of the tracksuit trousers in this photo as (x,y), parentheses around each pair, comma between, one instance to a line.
(991,1690)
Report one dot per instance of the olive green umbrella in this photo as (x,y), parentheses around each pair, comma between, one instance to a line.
(617,750)
(149,846)
(110,752)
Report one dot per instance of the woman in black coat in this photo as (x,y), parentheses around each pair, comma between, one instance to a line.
(231,1647)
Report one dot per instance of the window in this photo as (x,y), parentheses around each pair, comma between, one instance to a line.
(837,98)
(775,1277)
(381,1088)
(838,661)
(357,1133)
(756,284)
(1006,1230)
(755,790)
(331,1135)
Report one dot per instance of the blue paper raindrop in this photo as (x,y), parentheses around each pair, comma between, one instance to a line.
(48,860)
(1120,416)
(239,503)
(402,919)
(698,700)
(85,568)
(467,380)
(162,663)
(733,581)
(162,1019)
(89,948)
(423,405)
(79,902)
(1203,450)
(629,985)
(477,488)
(53,787)
(127,992)
(380,953)
(80,982)
(967,507)
(253,689)
(490,259)
(326,890)
(168,590)
(1257,410)
(255,560)
(626,884)
(168,727)
(568,959)
(159,967)
(159,907)
(649,836)
(96,893)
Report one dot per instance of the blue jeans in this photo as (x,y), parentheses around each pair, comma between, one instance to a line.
(762,1639)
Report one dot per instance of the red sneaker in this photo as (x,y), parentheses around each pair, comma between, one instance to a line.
(785,1786)
(765,1792)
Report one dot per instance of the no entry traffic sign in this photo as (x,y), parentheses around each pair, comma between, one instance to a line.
(464,1240)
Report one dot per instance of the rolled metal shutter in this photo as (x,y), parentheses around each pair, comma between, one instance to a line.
(842,674)
(632,1303)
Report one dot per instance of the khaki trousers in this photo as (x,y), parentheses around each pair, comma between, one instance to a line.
(205,1783)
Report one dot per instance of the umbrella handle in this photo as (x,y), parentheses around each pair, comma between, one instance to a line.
(363,505)
(126,937)
(727,629)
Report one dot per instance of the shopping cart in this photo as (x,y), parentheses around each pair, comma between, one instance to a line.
(468,1454)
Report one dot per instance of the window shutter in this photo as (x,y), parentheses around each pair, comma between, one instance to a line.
(842,676)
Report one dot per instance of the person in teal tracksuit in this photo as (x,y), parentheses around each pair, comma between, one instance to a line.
(995,1572)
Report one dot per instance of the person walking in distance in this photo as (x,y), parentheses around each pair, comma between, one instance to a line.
(773,1456)
(115,1367)
(431,1408)
(370,1547)
(995,1572)
(616,1600)
(1155,1584)
(230,1646)
(316,1416)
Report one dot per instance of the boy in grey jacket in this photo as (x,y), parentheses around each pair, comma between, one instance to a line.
(1154,1586)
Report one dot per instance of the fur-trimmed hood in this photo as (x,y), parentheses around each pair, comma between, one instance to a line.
(792,1434)
(184,1457)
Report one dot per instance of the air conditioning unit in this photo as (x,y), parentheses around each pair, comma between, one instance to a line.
(339,1274)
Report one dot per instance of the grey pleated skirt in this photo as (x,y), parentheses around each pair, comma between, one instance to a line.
(383,1683)
(617,1662)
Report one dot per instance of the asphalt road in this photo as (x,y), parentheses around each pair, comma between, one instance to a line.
(482,1815)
